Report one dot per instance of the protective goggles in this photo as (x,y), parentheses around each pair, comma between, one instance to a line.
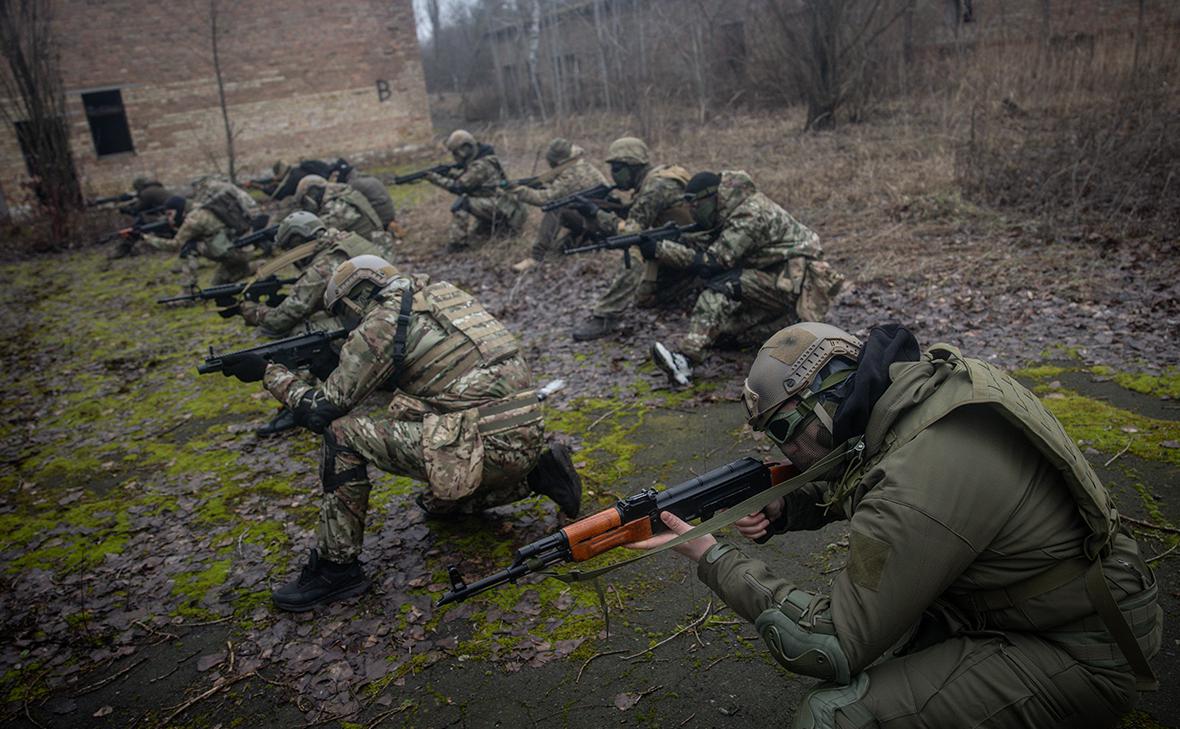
(785,425)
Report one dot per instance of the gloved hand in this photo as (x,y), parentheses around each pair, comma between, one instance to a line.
(648,247)
(250,368)
(584,207)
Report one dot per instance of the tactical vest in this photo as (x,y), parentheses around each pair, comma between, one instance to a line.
(352,245)
(969,382)
(678,213)
(474,338)
(377,196)
(226,207)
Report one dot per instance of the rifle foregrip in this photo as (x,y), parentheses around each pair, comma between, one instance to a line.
(604,531)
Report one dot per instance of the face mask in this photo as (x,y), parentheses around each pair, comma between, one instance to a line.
(704,211)
(623,175)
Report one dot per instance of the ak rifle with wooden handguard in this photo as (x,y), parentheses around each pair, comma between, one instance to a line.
(624,241)
(632,519)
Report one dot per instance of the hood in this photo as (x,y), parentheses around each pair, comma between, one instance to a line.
(736,187)
(485,150)
(858,395)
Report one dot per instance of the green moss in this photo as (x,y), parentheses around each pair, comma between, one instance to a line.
(1041,372)
(1110,429)
(1165,385)
(1140,720)
(192,587)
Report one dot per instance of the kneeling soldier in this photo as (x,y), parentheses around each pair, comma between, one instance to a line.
(463,418)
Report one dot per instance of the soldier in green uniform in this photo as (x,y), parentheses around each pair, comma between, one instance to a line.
(657,198)
(344,208)
(463,418)
(209,231)
(477,182)
(762,270)
(569,172)
(988,583)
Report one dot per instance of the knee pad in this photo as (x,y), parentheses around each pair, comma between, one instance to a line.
(728,284)
(820,707)
(331,475)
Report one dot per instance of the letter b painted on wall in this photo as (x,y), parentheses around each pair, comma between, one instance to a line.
(383,90)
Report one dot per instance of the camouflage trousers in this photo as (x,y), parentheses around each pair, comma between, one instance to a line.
(395,446)
(550,238)
(478,219)
(742,314)
(998,680)
(233,265)
(646,284)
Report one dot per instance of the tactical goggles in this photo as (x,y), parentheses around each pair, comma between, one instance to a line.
(692,198)
(786,424)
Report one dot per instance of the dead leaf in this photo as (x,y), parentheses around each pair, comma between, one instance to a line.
(103,711)
(1170,444)
(626,701)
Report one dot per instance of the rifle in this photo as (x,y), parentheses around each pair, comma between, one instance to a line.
(227,294)
(421,174)
(311,349)
(122,197)
(668,231)
(632,519)
(599,194)
(534,181)
(136,231)
(265,237)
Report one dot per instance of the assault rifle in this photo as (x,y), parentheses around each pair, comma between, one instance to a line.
(668,231)
(263,237)
(631,519)
(534,181)
(421,174)
(227,294)
(599,194)
(123,197)
(135,232)
(312,349)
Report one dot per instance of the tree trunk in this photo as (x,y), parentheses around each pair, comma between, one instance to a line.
(214,32)
(604,72)
(533,42)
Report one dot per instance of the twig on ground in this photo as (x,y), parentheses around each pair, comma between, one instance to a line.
(714,662)
(204,695)
(591,658)
(690,718)
(515,287)
(685,629)
(1149,525)
(229,649)
(163,634)
(29,716)
(386,714)
(1116,455)
(109,679)
(604,416)
(1164,553)
(333,717)
(226,619)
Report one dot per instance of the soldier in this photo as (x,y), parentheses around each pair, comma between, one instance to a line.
(476,182)
(762,270)
(987,582)
(149,195)
(173,210)
(464,417)
(210,230)
(344,208)
(377,194)
(569,172)
(658,198)
(285,178)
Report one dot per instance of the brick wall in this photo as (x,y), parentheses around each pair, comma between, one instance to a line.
(303,78)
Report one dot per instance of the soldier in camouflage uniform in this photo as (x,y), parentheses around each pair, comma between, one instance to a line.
(209,231)
(344,208)
(477,182)
(464,417)
(988,583)
(149,195)
(658,198)
(762,270)
(569,172)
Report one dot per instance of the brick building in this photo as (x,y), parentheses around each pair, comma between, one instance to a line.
(302,78)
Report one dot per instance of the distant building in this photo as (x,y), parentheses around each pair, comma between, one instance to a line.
(303,78)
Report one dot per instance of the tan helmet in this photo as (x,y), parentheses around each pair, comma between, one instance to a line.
(629,150)
(307,183)
(298,227)
(352,273)
(280,169)
(788,363)
(458,138)
(559,151)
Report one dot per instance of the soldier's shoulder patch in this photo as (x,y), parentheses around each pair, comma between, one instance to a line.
(866,559)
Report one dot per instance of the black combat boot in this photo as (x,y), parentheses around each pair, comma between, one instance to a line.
(280,423)
(554,476)
(320,582)
(595,327)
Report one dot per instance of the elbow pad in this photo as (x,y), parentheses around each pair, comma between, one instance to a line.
(315,413)
(801,637)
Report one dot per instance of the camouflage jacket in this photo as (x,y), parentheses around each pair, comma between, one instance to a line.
(204,233)
(579,175)
(754,232)
(366,361)
(346,208)
(307,293)
(479,178)
(658,198)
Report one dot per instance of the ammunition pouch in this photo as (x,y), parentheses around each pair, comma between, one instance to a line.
(452,451)
(330,477)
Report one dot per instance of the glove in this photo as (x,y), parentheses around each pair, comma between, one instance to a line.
(648,248)
(250,368)
(584,207)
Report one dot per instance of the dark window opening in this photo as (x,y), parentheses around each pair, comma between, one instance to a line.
(108,122)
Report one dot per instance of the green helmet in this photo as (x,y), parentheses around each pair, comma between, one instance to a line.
(559,151)
(628,150)
(790,363)
(462,145)
(298,227)
(139,183)
(354,282)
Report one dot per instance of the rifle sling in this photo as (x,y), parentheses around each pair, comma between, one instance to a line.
(400,334)
(295,254)
(718,521)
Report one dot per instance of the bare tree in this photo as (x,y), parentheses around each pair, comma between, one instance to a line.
(36,106)
(217,29)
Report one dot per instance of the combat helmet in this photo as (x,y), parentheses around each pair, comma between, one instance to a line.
(628,150)
(559,151)
(311,188)
(459,139)
(353,285)
(298,227)
(800,359)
